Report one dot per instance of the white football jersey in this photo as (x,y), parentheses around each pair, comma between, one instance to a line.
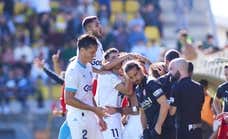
(106,94)
(97,60)
(78,79)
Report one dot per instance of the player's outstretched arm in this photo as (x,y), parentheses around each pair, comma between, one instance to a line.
(164,107)
(40,64)
(55,60)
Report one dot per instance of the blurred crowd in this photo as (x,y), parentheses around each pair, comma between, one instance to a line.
(38,28)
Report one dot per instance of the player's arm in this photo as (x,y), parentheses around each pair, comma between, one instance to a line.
(125,87)
(40,64)
(174,103)
(55,60)
(217,104)
(143,118)
(72,101)
(53,76)
(109,65)
(164,108)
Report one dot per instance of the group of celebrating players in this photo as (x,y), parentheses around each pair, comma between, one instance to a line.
(114,95)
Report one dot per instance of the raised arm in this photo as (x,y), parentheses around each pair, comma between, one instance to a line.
(55,60)
(40,64)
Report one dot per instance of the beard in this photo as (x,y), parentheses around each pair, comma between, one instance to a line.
(176,76)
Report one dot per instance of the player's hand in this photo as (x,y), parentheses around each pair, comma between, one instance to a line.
(55,57)
(110,110)
(100,112)
(160,68)
(124,119)
(102,124)
(39,63)
(158,129)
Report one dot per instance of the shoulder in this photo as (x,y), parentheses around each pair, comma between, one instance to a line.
(223,85)
(164,78)
(153,85)
(72,68)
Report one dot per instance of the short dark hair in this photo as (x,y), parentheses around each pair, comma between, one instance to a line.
(209,36)
(190,67)
(172,54)
(226,67)
(130,65)
(109,51)
(86,40)
(88,20)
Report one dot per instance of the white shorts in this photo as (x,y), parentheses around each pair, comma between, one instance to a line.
(133,129)
(114,127)
(83,125)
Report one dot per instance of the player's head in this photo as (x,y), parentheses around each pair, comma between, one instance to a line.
(170,55)
(178,68)
(87,46)
(110,55)
(226,72)
(134,72)
(92,25)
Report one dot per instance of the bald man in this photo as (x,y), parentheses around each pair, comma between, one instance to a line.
(188,100)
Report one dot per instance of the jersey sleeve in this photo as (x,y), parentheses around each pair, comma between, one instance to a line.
(71,81)
(155,89)
(219,92)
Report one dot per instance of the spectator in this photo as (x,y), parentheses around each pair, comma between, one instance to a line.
(104,14)
(86,8)
(119,21)
(24,87)
(137,20)
(7,55)
(11,89)
(136,35)
(41,6)
(182,10)
(8,9)
(151,16)
(73,28)
(209,45)
(121,39)
(6,31)
(154,51)
(3,97)
(23,51)
(139,47)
